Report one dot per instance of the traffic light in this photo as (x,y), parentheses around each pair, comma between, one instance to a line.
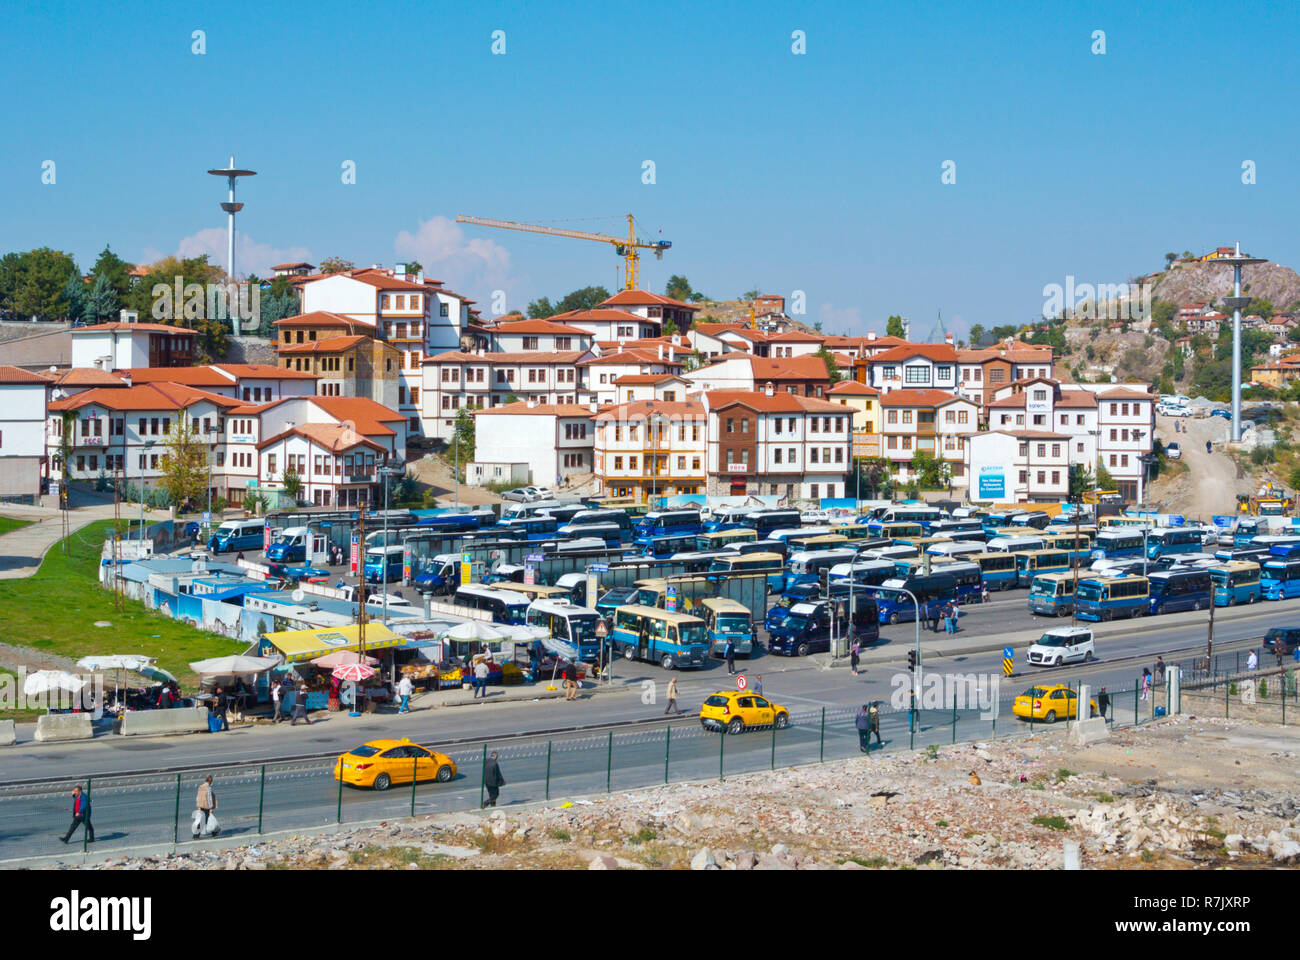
(911,661)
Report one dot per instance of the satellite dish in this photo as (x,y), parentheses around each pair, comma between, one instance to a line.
(298,596)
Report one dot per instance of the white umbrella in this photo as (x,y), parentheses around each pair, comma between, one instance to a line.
(475,630)
(46,682)
(135,662)
(232,666)
(522,633)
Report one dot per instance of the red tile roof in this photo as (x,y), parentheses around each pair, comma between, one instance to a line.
(621,316)
(188,376)
(641,379)
(290,266)
(13,375)
(143,396)
(262,371)
(645,298)
(86,377)
(382,281)
(643,408)
(916,398)
(332,436)
(851,388)
(320,318)
(939,352)
(140,327)
(779,402)
(539,326)
(1121,393)
(633,356)
(365,414)
(328,345)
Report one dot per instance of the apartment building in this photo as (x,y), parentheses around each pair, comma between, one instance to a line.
(540,336)
(864,401)
(1018,466)
(551,440)
(803,376)
(651,386)
(122,345)
(251,382)
(651,448)
(601,373)
(1103,423)
(23,398)
(972,374)
(934,422)
(778,443)
(456,380)
(610,324)
(355,366)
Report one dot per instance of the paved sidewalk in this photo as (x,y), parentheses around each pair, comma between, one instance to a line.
(22,550)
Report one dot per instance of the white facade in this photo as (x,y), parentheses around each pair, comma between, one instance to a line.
(1007,467)
(555,440)
(22,432)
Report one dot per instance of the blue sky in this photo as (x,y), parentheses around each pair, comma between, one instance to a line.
(817,172)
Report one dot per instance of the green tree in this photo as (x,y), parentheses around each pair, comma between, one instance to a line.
(679,288)
(414,266)
(74,292)
(541,308)
(279,302)
(874,474)
(1080,479)
(336,265)
(930,472)
(1005,331)
(1262,307)
(155,295)
(1169,259)
(291,482)
(585,299)
(894,326)
(753,293)
(101,304)
(463,436)
(32,284)
(184,463)
(976,331)
(114,269)
(1104,480)
(832,367)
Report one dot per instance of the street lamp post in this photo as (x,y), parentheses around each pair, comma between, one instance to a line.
(916,603)
(386,472)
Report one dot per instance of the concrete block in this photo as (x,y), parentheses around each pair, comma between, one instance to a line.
(64,726)
(7,735)
(1084,732)
(161,723)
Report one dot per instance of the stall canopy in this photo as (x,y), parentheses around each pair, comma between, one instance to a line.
(299,645)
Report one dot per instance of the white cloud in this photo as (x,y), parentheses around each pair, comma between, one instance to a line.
(250,256)
(841,320)
(446,254)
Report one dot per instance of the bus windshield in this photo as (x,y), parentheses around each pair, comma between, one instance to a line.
(733,623)
(692,633)
(583,627)
(1042,587)
(1089,591)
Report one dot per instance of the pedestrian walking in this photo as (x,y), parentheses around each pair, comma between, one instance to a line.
(1208,447)
(80,815)
(1278,652)
(277,692)
(956,615)
(404,688)
(220,704)
(949,620)
(300,707)
(480,679)
(1146,683)
(1252,661)
(205,808)
(758,685)
(874,716)
(863,723)
(1160,670)
(729,651)
(672,698)
(493,780)
(932,615)
(853,658)
(1103,702)
(984,593)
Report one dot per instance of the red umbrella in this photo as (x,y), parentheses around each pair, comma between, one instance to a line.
(356,672)
(343,656)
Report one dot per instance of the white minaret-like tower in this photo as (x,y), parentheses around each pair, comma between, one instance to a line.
(231,207)
(1236,302)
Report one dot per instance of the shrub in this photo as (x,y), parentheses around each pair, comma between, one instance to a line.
(1050,823)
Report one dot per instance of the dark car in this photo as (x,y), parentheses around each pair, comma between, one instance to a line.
(1226,414)
(1284,638)
(806,627)
(614,598)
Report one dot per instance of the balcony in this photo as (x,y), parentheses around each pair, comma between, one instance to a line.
(359,478)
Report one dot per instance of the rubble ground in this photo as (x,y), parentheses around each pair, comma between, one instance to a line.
(1177,793)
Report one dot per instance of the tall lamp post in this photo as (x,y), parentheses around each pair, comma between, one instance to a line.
(915,603)
(1236,302)
(386,473)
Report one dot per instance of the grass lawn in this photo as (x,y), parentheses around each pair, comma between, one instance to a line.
(9,523)
(55,610)
(22,716)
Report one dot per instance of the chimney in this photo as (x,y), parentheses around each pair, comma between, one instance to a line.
(532,402)
(672,353)
(399,271)
(947,338)
(871,334)
(126,378)
(661,351)
(375,266)
(769,389)
(677,339)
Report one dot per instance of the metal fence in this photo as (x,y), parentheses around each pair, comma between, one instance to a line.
(154,811)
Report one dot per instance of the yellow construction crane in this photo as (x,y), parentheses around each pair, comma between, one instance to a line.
(626,247)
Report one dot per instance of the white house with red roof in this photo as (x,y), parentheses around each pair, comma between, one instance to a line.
(554,440)
(23,397)
(608,323)
(543,336)
(929,421)
(805,376)
(250,382)
(651,448)
(654,307)
(602,373)
(119,346)
(1018,466)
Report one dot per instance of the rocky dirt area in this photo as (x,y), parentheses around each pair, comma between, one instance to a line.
(1181,793)
(433,471)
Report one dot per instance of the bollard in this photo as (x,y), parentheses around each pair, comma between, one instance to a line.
(339,818)
(482,780)
(414,778)
(261,794)
(609,762)
(668,739)
(821,757)
(176,819)
(722,749)
(774,742)
(84,833)
(954,719)
(1227,686)
(548,769)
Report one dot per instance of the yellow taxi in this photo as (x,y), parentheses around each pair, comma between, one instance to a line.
(734,710)
(382,763)
(1049,703)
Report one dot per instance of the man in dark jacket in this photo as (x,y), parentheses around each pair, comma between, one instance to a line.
(1103,702)
(220,704)
(729,651)
(863,723)
(80,815)
(493,780)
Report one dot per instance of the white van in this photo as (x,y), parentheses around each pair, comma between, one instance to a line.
(1061,645)
(955,548)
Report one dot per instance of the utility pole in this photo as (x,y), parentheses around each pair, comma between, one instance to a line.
(1074,616)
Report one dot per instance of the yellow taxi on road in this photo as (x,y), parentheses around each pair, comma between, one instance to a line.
(1049,703)
(734,710)
(382,763)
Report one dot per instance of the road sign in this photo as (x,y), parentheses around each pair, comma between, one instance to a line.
(1007,653)
(466,570)
(1008,661)
(1224,521)
(670,599)
(326,524)
(354,555)
(534,558)
(266,535)
(530,577)
(741,682)
(464,558)
(598,567)
(207,517)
